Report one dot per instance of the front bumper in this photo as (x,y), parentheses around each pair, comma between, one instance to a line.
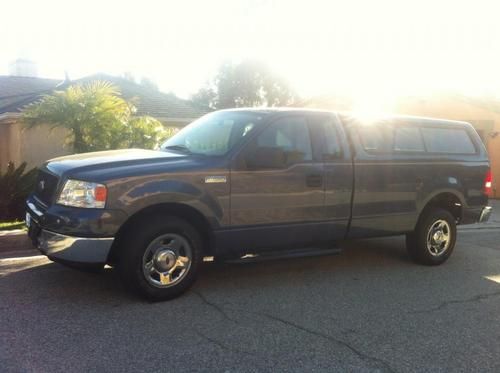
(59,247)
(67,248)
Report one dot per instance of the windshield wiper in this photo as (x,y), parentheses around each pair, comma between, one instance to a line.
(181,148)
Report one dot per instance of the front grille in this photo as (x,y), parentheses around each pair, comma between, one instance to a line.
(45,188)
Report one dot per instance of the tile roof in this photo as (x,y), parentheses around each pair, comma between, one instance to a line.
(16,92)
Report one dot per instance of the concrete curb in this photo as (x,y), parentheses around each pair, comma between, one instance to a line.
(20,254)
(14,241)
(15,244)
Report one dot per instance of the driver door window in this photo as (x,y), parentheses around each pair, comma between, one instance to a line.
(285,143)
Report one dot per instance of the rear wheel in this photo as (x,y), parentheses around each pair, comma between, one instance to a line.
(160,259)
(434,238)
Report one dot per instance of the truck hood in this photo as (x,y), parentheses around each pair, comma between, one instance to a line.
(109,160)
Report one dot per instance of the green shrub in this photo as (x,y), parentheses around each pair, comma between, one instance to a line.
(15,186)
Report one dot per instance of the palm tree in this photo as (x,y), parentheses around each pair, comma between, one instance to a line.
(97,117)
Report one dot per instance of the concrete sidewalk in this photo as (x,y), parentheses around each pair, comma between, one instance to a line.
(15,243)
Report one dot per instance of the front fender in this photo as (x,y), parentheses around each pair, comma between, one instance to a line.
(155,192)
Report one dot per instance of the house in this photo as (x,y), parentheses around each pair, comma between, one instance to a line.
(40,143)
(483,113)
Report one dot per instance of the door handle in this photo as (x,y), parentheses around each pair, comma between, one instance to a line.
(419,183)
(314,180)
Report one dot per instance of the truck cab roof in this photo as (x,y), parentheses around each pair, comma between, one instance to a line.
(348,116)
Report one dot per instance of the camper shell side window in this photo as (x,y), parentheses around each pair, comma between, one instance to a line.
(412,137)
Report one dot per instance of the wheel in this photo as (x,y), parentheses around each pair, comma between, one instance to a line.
(434,238)
(160,258)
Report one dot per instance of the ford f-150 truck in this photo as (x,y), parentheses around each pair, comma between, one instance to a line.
(248,181)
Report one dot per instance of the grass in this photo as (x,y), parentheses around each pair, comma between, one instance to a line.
(10,225)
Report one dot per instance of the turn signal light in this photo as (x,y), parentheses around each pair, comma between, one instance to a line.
(100,193)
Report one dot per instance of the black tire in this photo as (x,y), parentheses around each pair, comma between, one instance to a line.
(417,241)
(138,241)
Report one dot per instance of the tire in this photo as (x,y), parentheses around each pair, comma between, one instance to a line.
(160,258)
(429,248)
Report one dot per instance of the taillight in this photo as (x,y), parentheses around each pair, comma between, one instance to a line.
(487,183)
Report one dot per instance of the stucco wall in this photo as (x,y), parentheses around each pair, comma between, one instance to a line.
(41,143)
(38,144)
(33,146)
(5,145)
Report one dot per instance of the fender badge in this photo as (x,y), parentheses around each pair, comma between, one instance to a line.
(215,179)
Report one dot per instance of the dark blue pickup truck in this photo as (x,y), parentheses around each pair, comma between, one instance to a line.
(239,182)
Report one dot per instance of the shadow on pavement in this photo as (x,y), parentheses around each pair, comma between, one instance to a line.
(369,260)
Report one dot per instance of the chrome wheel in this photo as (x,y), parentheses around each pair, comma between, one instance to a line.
(167,260)
(438,237)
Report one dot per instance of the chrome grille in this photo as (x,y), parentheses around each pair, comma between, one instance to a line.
(45,188)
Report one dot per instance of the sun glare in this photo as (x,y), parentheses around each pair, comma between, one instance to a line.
(371,104)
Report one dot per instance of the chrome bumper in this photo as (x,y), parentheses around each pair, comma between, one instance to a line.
(485,214)
(73,249)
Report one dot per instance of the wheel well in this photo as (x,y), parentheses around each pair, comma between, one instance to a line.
(185,212)
(449,202)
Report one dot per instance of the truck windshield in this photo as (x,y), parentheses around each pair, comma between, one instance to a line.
(213,134)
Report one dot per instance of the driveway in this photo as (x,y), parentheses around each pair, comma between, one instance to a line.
(367,309)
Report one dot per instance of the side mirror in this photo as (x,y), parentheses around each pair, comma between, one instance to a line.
(266,158)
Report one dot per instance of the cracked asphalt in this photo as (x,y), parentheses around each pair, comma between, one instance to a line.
(368,309)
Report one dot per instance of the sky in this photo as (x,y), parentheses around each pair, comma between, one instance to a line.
(371,49)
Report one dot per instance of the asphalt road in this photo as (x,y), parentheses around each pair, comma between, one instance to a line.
(368,309)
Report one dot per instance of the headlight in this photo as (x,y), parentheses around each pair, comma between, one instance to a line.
(83,194)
